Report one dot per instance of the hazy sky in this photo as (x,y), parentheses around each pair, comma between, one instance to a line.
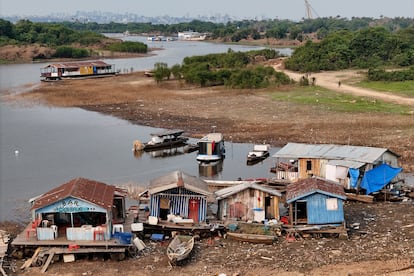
(287,9)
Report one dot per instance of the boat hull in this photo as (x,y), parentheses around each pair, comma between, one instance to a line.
(253,238)
(180,248)
(164,145)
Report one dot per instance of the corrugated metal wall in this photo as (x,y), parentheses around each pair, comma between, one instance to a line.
(179,202)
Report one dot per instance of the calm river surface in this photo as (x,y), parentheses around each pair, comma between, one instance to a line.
(43,147)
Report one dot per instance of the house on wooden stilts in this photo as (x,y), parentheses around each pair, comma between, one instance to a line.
(315,204)
(248,202)
(179,194)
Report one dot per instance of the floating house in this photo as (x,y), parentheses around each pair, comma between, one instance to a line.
(341,163)
(63,70)
(248,201)
(179,194)
(315,201)
(80,209)
(211,148)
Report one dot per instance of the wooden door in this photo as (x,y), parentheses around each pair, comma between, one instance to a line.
(194,206)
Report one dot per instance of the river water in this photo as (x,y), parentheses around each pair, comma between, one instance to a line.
(43,147)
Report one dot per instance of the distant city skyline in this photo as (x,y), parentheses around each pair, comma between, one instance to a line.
(239,9)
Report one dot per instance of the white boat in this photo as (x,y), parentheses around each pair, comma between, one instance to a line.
(211,148)
(259,153)
(180,248)
(190,35)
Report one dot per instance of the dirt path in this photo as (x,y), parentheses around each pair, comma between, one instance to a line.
(330,81)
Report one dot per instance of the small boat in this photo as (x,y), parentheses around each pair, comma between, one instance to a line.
(180,248)
(167,139)
(211,148)
(259,153)
(253,238)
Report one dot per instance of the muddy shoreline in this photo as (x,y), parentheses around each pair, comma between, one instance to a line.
(247,116)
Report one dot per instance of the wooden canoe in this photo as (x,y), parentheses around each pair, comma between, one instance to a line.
(180,248)
(253,238)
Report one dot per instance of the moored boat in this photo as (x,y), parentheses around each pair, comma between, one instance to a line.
(211,148)
(180,248)
(167,139)
(253,238)
(259,153)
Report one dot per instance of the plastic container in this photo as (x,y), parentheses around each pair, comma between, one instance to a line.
(157,237)
(139,244)
(137,227)
(123,238)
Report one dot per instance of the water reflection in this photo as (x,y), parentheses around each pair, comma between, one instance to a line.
(210,169)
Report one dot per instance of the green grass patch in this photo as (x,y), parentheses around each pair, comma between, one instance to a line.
(405,88)
(337,102)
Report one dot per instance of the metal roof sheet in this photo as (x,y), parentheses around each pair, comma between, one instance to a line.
(226,192)
(212,137)
(307,186)
(89,190)
(178,179)
(329,151)
(346,163)
(97,63)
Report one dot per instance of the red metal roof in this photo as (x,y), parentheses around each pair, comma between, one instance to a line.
(89,190)
(314,184)
(96,63)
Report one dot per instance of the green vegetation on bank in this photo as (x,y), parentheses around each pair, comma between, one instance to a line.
(66,42)
(405,88)
(366,48)
(128,46)
(232,69)
(336,101)
(251,29)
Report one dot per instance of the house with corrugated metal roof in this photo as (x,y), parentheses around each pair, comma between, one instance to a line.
(79,209)
(333,162)
(62,70)
(179,194)
(248,201)
(315,201)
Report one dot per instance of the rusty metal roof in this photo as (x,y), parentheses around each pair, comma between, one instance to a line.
(88,190)
(178,179)
(329,151)
(96,63)
(308,186)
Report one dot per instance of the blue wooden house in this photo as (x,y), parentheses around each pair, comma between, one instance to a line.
(179,194)
(315,201)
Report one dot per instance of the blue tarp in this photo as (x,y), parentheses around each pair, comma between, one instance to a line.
(375,179)
(354,173)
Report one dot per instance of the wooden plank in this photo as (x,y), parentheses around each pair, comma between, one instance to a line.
(361,198)
(49,259)
(29,262)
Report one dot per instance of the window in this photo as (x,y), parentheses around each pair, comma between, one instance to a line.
(331,204)
(309,165)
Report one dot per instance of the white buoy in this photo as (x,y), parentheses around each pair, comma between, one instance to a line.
(16,152)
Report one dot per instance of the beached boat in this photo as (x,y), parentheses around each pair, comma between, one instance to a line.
(253,238)
(166,139)
(259,153)
(211,148)
(180,248)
